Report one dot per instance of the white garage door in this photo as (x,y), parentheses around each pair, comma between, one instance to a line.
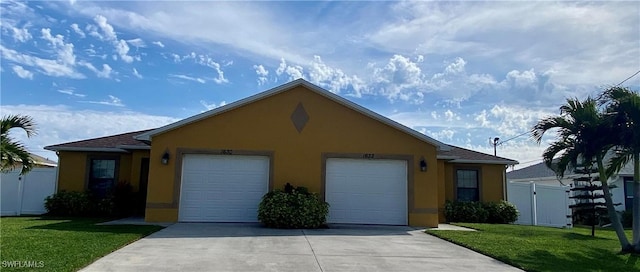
(367,191)
(222,188)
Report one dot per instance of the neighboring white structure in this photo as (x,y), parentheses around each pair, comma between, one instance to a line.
(25,194)
(540,205)
(541,174)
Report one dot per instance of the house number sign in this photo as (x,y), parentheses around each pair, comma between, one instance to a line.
(368,155)
(226,152)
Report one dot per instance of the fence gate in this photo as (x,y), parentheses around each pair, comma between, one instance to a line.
(26,194)
(540,205)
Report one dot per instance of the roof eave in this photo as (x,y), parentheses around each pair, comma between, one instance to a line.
(485,161)
(134,147)
(86,149)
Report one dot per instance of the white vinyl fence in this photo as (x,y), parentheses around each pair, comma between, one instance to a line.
(540,205)
(26,194)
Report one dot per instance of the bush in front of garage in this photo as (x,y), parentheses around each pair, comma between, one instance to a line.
(501,212)
(293,208)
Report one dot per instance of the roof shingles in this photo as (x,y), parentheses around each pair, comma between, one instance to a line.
(113,141)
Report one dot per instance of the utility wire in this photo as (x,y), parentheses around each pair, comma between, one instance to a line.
(519,135)
(638,72)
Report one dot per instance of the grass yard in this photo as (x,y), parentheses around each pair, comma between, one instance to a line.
(59,244)
(545,249)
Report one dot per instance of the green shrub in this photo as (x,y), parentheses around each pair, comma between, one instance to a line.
(501,212)
(66,203)
(118,202)
(292,208)
(463,211)
(477,212)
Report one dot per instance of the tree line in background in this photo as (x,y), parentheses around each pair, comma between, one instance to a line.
(600,134)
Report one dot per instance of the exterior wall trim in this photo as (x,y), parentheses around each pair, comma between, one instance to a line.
(455,179)
(90,157)
(88,149)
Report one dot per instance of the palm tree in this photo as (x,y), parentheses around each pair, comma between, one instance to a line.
(13,152)
(623,109)
(581,140)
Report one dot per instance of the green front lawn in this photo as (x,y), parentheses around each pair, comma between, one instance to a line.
(59,244)
(545,249)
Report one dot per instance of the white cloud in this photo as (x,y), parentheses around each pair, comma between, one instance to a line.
(482,119)
(185,77)
(332,78)
(22,73)
(205,60)
(400,79)
(71,92)
(293,71)
(77,30)
(443,135)
(104,73)
(210,106)
(112,101)
(136,74)
(63,50)
(122,48)
(55,68)
(108,34)
(255,28)
(262,74)
(158,43)
(451,116)
(219,74)
(64,124)
(137,42)
(457,66)
(21,34)
(485,31)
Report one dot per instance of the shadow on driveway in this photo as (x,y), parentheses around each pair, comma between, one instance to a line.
(203,230)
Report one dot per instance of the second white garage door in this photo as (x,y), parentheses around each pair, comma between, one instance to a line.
(366,191)
(222,188)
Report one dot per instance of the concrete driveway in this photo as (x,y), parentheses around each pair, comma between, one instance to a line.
(245,247)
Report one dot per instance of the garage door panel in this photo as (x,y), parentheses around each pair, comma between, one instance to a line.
(367,191)
(222,188)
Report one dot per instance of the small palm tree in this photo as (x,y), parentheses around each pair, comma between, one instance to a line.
(13,152)
(583,138)
(623,109)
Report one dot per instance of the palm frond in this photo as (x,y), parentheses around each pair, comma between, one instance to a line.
(23,122)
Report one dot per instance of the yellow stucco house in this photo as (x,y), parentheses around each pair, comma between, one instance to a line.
(216,166)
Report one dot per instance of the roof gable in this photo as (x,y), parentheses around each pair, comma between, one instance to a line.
(147,136)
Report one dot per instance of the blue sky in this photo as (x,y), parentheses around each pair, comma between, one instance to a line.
(461,72)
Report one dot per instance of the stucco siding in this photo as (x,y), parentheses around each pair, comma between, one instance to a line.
(74,166)
(266,126)
(491,180)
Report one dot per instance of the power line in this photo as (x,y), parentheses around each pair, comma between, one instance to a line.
(496,142)
(638,72)
(517,136)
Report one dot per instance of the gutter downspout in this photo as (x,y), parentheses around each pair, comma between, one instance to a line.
(504,183)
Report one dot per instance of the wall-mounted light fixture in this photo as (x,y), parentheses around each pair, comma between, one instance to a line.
(165,158)
(423,165)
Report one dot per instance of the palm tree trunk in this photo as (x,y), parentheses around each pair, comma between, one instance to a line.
(636,202)
(613,215)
